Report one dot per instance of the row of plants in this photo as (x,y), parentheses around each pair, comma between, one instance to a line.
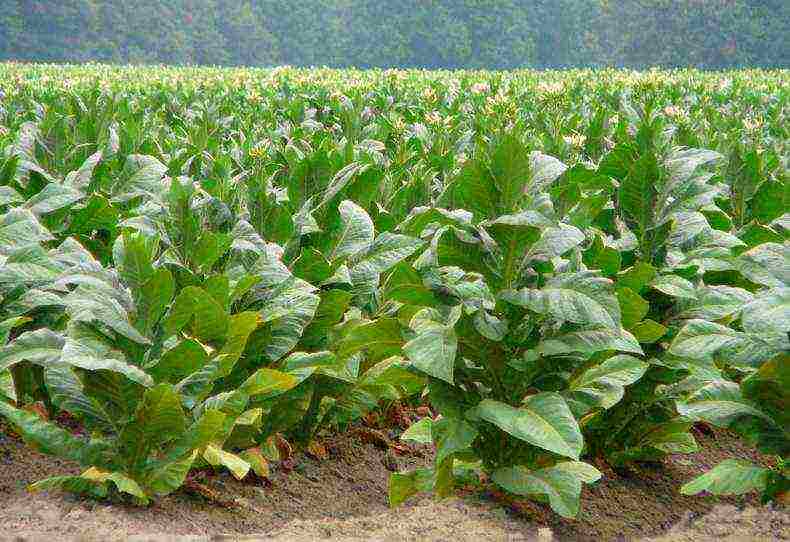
(204,267)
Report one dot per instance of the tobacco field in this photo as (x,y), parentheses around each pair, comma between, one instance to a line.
(566,273)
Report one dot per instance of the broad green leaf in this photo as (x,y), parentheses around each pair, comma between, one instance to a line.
(97,213)
(755,234)
(81,178)
(638,277)
(769,312)
(544,170)
(142,175)
(700,339)
(590,342)
(674,286)
(268,381)
(671,437)
(730,477)
(42,347)
(133,255)
(719,403)
(515,235)
(8,196)
(388,249)
(50,439)
(196,437)
(93,303)
(490,326)
(67,392)
(28,266)
(178,362)
(582,298)
(433,349)
(169,476)
(633,307)
(771,200)
(767,264)
(648,331)
(18,228)
(332,307)
(210,248)
(303,360)
(341,180)
(543,420)
(240,327)
(158,419)
(52,198)
(638,194)
(73,484)
(156,294)
(716,302)
(405,285)
(84,349)
(452,435)
(290,308)
(195,305)
(605,258)
(605,383)
(405,485)
(767,387)
(380,339)
(356,234)
(556,241)
(312,266)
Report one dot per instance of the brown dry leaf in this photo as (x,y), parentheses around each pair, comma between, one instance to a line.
(371,419)
(284,447)
(258,463)
(423,411)
(37,408)
(316,450)
(202,490)
(399,416)
(269,449)
(604,466)
(375,437)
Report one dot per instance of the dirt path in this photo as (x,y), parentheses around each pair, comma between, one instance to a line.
(344,498)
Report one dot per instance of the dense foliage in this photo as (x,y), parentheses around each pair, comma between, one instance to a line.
(409,33)
(201,266)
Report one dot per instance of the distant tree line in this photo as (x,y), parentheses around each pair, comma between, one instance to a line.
(409,33)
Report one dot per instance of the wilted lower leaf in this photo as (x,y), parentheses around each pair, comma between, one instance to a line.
(560,485)
(403,486)
(214,455)
(730,477)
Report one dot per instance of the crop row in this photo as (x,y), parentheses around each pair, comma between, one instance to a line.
(198,266)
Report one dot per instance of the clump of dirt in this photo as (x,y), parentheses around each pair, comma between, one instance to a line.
(344,497)
(729,524)
(647,501)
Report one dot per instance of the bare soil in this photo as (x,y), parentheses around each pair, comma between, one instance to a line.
(344,497)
